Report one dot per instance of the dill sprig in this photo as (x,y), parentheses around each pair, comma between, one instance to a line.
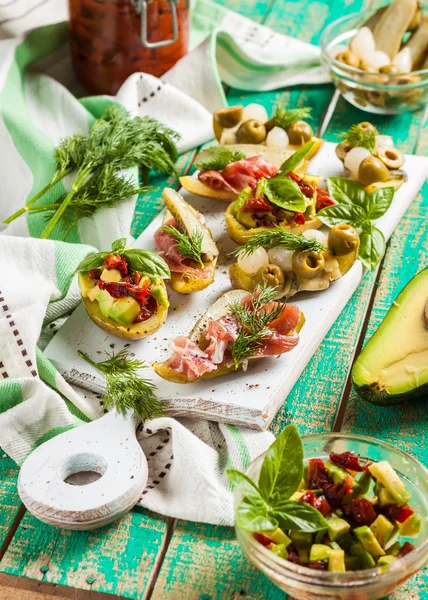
(216,158)
(115,142)
(188,246)
(254,323)
(274,238)
(125,389)
(284,118)
(358,137)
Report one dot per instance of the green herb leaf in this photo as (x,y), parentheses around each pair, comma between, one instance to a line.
(295,159)
(125,389)
(216,158)
(279,238)
(118,246)
(252,515)
(299,516)
(284,192)
(189,247)
(243,196)
(147,262)
(342,213)
(361,138)
(248,486)
(284,118)
(372,246)
(378,202)
(92,261)
(345,191)
(282,469)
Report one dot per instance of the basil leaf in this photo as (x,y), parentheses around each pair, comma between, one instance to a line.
(372,246)
(342,213)
(345,191)
(92,261)
(118,246)
(379,201)
(247,485)
(299,516)
(295,159)
(148,263)
(243,196)
(282,468)
(284,192)
(251,515)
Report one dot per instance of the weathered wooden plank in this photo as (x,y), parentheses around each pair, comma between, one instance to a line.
(9,500)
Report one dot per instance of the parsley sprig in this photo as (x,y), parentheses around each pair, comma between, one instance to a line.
(254,321)
(188,246)
(125,388)
(361,138)
(274,238)
(216,158)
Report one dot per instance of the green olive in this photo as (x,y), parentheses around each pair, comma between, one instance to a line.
(308,264)
(251,132)
(391,157)
(299,133)
(367,127)
(390,70)
(273,276)
(342,239)
(372,170)
(270,124)
(342,150)
(226,118)
(348,58)
(377,98)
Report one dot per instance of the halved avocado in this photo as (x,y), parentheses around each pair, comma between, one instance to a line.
(393,366)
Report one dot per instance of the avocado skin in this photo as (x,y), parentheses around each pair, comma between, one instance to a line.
(383,398)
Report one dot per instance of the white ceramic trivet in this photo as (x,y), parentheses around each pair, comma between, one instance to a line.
(87,477)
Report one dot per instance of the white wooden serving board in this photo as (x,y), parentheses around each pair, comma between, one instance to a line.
(249,398)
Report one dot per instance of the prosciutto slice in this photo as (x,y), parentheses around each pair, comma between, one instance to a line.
(189,359)
(239,175)
(221,333)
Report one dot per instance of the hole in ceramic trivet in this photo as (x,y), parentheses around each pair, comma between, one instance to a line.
(82,469)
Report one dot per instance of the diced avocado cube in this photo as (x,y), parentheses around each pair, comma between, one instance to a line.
(336,527)
(85,284)
(385,498)
(411,526)
(94,293)
(336,561)
(387,476)
(306,476)
(110,275)
(334,546)
(301,539)
(159,293)
(106,302)
(385,561)
(352,563)
(319,537)
(124,310)
(366,536)
(364,483)
(394,549)
(337,473)
(279,549)
(319,552)
(302,486)
(279,537)
(245,218)
(366,560)
(382,528)
(303,555)
(296,496)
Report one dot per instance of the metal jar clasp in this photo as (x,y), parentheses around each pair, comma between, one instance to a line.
(141,8)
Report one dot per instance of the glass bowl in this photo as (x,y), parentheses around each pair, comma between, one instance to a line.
(370,584)
(372,92)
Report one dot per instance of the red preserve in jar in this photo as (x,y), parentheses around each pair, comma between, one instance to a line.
(111,39)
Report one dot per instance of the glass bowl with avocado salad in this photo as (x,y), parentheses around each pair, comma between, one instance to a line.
(333,515)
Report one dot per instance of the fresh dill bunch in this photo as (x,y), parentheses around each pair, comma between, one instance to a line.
(188,246)
(254,321)
(274,238)
(284,118)
(125,389)
(361,138)
(216,158)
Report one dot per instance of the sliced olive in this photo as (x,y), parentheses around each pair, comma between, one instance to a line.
(372,170)
(391,157)
(251,132)
(342,239)
(273,276)
(348,58)
(308,264)
(389,70)
(342,150)
(300,133)
(226,118)
(367,127)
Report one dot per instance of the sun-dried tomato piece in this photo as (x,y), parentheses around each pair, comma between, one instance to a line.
(318,476)
(405,549)
(308,498)
(306,188)
(263,539)
(323,199)
(140,294)
(143,315)
(293,555)
(134,278)
(115,289)
(348,460)
(94,274)
(319,565)
(256,205)
(335,493)
(322,505)
(298,218)
(399,513)
(118,262)
(363,511)
(265,223)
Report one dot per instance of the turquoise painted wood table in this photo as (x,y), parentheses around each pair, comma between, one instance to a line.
(147,556)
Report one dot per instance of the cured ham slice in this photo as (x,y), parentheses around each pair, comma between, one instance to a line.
(239,175)
(189,359)
(221,333)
